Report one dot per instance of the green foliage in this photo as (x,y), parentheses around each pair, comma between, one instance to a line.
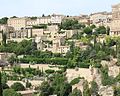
(14,17)
(57,85)
(71,24)
(49,71)
(10,92)
(87,30)
(5,86)
(4,78)
(45,89)
(106,79)
(108,30)
(4,37)
(59,61)
(75,81)
(41,26)
(28,84)
(94,88)
(60,86)
(110,41)
(18,86)
(86,90)
(12,59)
(92,26)
(101,30)
(76,92)
(24,47)
(117,91)
(33,18)
(3,20)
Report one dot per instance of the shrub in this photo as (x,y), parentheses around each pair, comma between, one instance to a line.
(28,84)
(5,86)
(10,92)
(49,71)
(18,86)
(75,81)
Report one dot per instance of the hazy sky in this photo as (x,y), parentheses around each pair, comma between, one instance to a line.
(66,7)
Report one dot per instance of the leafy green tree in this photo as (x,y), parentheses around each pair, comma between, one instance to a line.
(12,59)
(18,86)
(5,86)
(86,90)
(92,26)
(76,92)
(75,81)
(3,20)
(14,17)
(45,89)
(28,84)
(10,92)
(71,24)
(94,89)
(108,30)
(4,78)
(49,71)
(101,30)
(117,91)
(87,30)
(4,37)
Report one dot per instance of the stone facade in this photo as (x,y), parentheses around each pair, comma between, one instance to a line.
(115,25)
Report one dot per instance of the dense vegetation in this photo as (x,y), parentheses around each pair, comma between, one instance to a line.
(94,53)
(3,20)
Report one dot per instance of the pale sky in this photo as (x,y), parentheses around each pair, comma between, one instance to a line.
(67,7)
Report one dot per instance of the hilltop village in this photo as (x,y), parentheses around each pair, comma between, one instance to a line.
(58,55)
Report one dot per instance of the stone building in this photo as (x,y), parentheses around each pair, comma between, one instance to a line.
(115,25)
(18,23)
(101,18)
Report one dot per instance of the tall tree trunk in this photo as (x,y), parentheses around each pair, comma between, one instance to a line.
(1,93)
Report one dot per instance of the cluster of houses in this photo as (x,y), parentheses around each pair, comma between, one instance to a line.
(50,38)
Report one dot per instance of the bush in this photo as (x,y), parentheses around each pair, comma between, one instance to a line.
(10,92)
(83,65)
(18,86)
(49,71)
(5,86)
(28,84)
(75,81)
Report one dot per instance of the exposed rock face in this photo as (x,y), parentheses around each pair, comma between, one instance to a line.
(106,91)
(82,72)
(113,71)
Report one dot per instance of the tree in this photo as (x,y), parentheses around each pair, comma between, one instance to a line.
(108,30)
(94,88)
(45,89)
(5,86)
(86,90)
(3,20)
(14,17)
(10,92)
(70,24)
(4,37)
(117,91)
(11,59)
(76,92)
(18,86)
(87,30)
(1,90)
(101,30)
(43,15)
(28,84)
(92,26)
(75,81)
